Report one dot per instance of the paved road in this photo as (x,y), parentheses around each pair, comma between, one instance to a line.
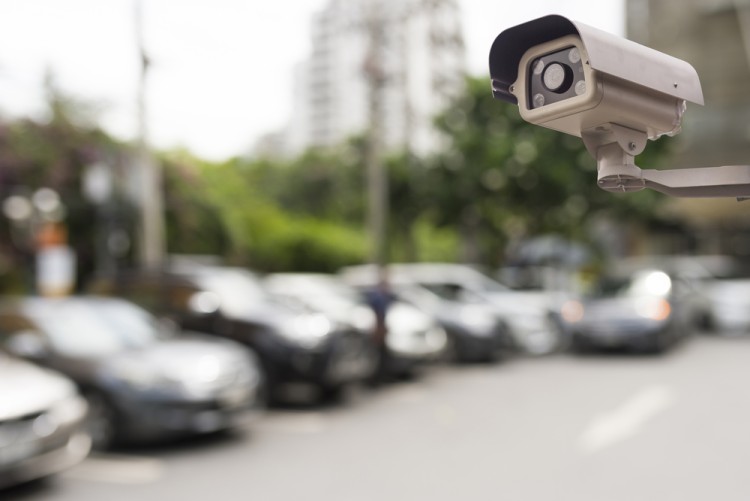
(602,427)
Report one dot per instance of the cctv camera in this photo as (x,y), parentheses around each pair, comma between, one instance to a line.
(613,93)
(571,77)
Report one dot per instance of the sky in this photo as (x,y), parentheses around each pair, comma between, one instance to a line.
(222,69)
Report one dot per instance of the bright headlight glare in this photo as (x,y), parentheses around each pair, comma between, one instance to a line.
(308,329)
(363,318)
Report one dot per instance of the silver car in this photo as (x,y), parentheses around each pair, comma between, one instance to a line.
(142,381)
(41,422)
(647,309)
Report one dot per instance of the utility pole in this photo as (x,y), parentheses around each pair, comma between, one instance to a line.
(377,179)
(151,224)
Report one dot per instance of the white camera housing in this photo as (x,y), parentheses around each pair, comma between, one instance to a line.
(616,80)
(613,93)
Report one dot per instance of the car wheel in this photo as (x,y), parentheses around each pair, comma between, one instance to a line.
(101,421)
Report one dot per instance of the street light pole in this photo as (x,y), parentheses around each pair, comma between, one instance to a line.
(151,245)
(377,180)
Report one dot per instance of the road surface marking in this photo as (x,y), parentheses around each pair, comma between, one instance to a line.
(626,421)
(116,469)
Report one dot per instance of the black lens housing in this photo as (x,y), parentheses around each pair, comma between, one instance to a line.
(572,73)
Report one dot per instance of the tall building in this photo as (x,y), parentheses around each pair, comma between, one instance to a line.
(411,51)
(713,36)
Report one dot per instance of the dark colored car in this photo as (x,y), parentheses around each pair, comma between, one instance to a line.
(647,309)
(142,382)
(41,422)
(413,337)
(475,331)
(293,344)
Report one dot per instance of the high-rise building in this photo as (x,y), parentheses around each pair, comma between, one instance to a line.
(411,51)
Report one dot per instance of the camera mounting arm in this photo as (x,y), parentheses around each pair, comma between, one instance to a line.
(615,147)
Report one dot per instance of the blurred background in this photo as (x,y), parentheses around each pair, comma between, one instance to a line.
(294,148)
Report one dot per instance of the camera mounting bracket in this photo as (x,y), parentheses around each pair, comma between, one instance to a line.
(615,147)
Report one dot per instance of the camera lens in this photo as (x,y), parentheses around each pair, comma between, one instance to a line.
(557,77)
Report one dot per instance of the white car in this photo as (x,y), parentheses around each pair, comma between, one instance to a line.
(530,315)
(41,422)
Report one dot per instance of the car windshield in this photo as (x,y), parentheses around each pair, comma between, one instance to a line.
(94,329)
(319,294)
(238,290)
(472,290)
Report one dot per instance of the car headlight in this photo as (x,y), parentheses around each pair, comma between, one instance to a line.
(66,412)
(307,330)
(653,309)
(572,312)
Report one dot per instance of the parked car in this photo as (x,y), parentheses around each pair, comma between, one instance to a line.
(142,382)
(529,315)
(646,309)
(413,337)
(475,331)
(727,288)
(41,422)
(692,276)
(295,345)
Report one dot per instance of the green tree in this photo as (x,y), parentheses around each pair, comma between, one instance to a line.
(262,234)
(53,152)
(502,179)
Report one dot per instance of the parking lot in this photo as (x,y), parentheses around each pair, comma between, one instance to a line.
(598,426)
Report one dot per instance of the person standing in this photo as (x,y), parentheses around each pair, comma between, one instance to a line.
(380,298)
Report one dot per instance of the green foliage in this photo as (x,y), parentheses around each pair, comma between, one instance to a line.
(264,236)
(497,180)
(53,153)
(327,184)
(193,224)
(502,179)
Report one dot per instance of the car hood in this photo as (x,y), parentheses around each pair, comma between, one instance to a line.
(186,360)
(27,389)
